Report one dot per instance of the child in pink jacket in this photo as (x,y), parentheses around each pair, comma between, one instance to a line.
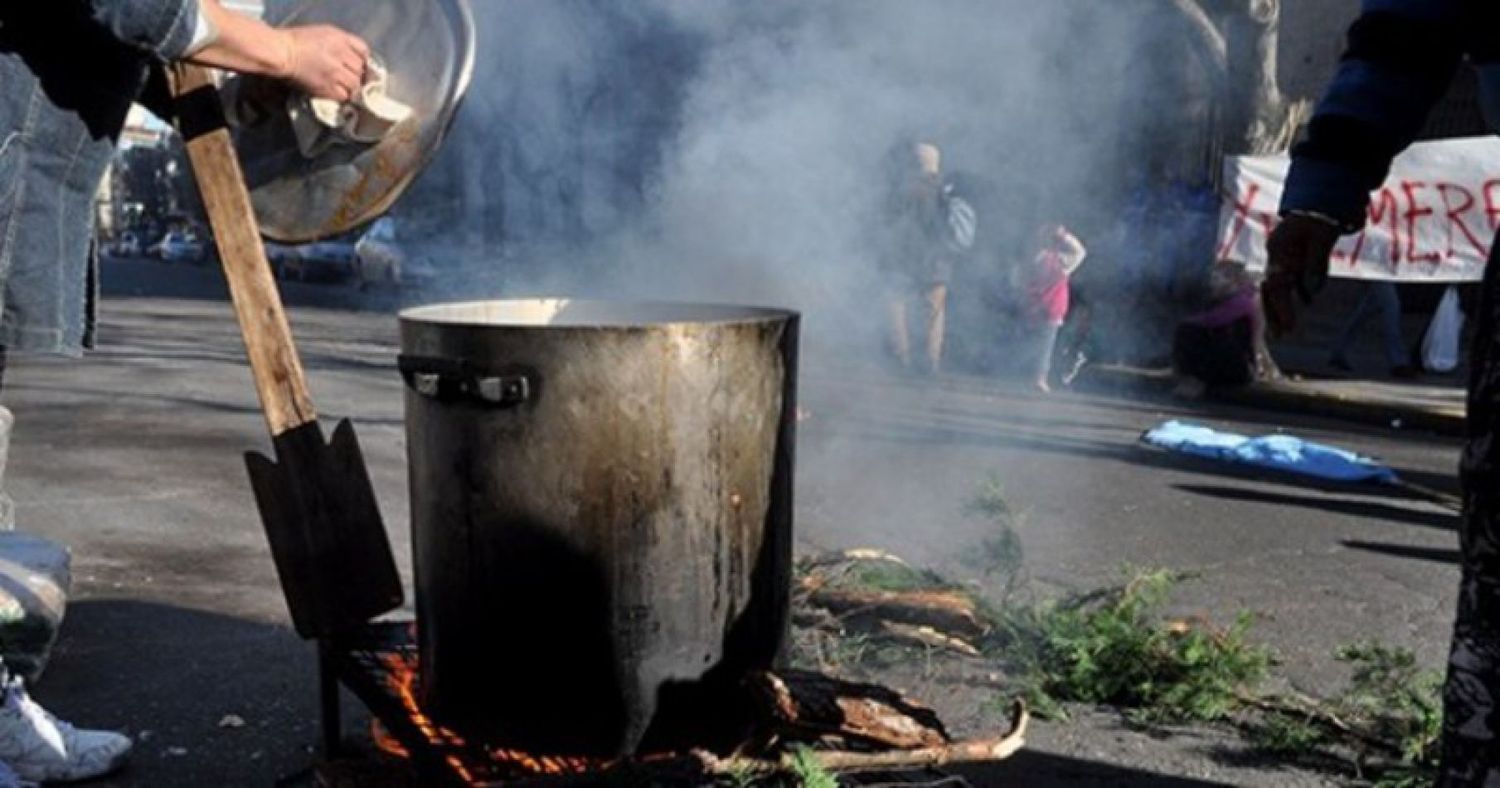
(1060,255)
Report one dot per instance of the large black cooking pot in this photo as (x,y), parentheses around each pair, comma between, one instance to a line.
(601,517)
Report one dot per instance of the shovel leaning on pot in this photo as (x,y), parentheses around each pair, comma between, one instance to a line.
(316,500)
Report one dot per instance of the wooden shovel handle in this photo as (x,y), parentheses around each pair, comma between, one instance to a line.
(279,379)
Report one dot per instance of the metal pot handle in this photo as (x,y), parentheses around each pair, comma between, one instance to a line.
(453,380)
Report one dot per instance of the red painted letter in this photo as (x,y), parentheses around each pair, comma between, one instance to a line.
(1383,205)
(1242,211)
(1415,211)
(1491,205)
(1456,215)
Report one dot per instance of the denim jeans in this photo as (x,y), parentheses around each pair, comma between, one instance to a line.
(68,74)
(1046,348)
(1381,301)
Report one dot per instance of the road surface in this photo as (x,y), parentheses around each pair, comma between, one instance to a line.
(132,457)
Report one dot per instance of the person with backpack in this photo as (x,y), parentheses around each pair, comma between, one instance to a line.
(928,228)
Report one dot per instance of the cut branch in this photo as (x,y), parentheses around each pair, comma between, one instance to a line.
(946,611)
(809,706)
(974,751)
(929,637)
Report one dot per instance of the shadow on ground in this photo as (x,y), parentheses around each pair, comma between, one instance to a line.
(209,699)
(1376,510)
(1044,770)
(997,428)
(1433,554)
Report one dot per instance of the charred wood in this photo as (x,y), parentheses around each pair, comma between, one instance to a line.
(800,705)
(946,611)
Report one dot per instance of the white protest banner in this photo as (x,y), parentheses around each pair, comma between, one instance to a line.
(1432,221)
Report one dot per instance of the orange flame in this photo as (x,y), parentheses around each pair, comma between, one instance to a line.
(403,678)
(385,742)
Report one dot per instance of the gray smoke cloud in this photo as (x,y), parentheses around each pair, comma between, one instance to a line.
(733,151)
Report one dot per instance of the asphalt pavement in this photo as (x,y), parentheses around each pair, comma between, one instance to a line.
(132,456)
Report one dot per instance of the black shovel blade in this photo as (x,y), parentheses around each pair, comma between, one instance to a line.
(324,526)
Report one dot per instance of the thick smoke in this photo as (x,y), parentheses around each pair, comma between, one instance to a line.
(733,151)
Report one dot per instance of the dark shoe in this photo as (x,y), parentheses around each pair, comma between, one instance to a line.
(1340,363)
(1405,372)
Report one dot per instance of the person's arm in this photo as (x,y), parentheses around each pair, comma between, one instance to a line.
(1070,250)
(320,60)
(1401,56)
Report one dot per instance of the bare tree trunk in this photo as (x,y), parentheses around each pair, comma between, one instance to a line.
(1209,41)
(1240,39)
(1257,118)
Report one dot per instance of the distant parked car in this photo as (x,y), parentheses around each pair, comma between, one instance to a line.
(323,261)
(179,247)
(383,260)
(126,245)
(378,258)
(278,254)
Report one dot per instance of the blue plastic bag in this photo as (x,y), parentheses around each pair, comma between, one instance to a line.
(1277,452)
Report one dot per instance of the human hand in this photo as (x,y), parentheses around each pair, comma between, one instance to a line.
(1298,250)
(324,61)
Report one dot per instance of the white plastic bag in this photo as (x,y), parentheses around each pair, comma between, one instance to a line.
(1440,346)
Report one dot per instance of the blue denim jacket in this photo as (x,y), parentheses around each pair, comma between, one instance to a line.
(1401,56)
(69,70)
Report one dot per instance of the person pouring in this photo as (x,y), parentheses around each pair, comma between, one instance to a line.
(69,72)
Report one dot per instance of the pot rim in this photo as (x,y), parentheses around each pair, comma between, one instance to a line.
(587,313)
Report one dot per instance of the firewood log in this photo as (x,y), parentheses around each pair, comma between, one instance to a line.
(971,751)
(949,612)
(929,637)
(800,705)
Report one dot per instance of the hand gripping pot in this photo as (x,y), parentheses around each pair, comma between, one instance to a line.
(601,517)
(304,190)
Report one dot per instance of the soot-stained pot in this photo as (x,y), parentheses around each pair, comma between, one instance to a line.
(601,517)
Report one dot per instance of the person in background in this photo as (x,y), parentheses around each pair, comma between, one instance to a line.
(929,227)
(1217,347)
(69,72)
(1381,301)
(1402,55)
(1059,255)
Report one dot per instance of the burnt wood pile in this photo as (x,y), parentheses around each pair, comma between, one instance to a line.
(847,727)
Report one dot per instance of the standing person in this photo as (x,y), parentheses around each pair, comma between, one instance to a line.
(1060,254)
(1381,301)
(69,72)
(1402,54)
(928,228)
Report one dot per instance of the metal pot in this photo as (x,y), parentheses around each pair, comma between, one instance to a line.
(601,517)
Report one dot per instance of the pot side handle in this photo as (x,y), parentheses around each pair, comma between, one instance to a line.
(456,380)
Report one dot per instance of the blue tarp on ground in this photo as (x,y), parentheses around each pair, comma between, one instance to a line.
(1277,452)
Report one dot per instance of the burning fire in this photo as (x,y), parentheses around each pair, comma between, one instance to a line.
(402,675)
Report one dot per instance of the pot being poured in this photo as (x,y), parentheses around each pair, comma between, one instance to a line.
(601,517)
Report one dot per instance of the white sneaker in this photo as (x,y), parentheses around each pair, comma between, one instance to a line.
(43,748)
